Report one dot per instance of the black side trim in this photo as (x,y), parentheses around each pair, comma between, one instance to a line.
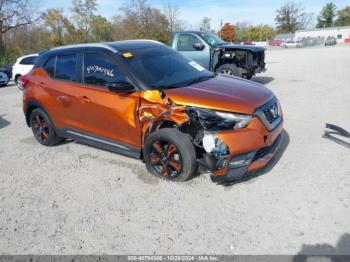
(99,142)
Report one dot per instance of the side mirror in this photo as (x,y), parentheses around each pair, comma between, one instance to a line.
(198,46)
(121,87)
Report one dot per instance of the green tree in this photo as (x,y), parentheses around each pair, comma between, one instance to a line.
(83,15)
(140,20)
(101,29)
(343,17)
(57,23)
(327,15)
(288,18)
(248,32)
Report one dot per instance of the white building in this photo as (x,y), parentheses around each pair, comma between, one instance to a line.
(340,33)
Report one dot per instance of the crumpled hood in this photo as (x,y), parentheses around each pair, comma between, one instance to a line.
(252,48)
(225,93)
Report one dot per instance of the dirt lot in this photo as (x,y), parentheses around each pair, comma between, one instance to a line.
(73,198)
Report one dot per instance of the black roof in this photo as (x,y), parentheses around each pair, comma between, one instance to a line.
(128,45)
(118,46)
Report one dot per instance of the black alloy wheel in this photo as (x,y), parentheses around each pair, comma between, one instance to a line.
(40,128)
(166,159)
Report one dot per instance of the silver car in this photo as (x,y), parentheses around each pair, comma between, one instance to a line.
(295,44)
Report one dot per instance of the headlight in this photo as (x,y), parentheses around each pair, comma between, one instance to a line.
(216,120)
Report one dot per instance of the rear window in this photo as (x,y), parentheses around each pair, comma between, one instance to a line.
(66,66)
(30,60)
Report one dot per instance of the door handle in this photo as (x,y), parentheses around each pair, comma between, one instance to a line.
(85,99)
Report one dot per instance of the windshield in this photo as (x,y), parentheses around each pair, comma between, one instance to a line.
(212,39)
(162,67)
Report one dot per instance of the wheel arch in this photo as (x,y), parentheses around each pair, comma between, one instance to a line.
(153,127)
(16,76)
(225,61)
(30,106)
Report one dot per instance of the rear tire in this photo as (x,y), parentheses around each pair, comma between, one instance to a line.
(229,69)
(18,82)
(169,154)
(42,128)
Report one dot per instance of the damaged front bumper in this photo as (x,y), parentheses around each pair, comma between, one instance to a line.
(250,149)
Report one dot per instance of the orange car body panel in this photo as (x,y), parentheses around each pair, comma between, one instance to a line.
(225,93)
(94,110)
(255,136)
(110,115)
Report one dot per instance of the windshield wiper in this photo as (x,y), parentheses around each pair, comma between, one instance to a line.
(200,79)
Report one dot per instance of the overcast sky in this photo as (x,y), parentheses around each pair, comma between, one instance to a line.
(192,11)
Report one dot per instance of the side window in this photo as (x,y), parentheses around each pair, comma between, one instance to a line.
(66,67)
(28,60)
(185,42)
(101,71)
(49,66)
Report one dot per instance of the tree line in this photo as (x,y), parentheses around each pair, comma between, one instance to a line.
(27,31)
(23,29)
(292,17)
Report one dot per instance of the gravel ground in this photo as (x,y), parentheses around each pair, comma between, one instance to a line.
(75,199)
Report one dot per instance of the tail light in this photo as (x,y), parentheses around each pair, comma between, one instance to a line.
(24,81)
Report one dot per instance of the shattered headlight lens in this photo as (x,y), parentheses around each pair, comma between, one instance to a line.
(212,120)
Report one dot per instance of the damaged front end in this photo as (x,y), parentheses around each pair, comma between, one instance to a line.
(202,125)
(213,153)
(250,62)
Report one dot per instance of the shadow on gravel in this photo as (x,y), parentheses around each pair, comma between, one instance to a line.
(3,122)
(254,174)
(339,253)
(262,79)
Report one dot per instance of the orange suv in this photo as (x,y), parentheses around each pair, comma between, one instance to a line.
(142,99)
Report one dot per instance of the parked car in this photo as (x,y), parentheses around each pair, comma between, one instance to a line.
(3,79)
(216,55)
(7,69)
(145,100)
(291,43)
(330,41)
(275,42)
(247,43)
(22,66)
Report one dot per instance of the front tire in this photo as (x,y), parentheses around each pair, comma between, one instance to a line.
(43,128)
(229,69)
(169,154)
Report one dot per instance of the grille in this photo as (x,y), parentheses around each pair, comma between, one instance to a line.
(269,114)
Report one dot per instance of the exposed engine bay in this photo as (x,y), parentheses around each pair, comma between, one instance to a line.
(248,61)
